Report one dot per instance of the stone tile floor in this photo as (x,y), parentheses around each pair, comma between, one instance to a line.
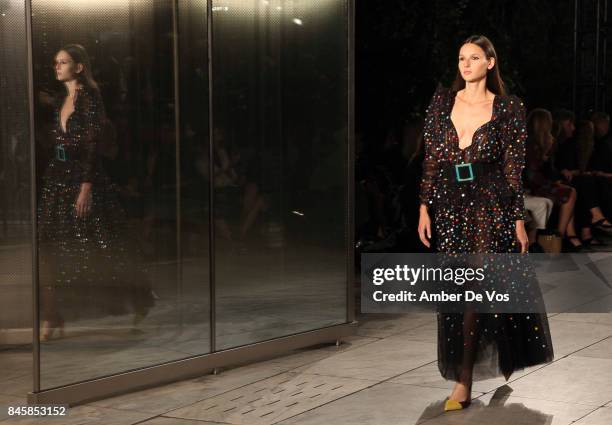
(386,374)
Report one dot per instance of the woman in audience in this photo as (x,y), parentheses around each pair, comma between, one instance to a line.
(543,179)
(572,158)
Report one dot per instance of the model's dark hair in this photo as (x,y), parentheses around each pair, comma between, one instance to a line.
(494,80)
(79,55)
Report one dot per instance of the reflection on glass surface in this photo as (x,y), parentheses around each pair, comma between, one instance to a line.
(123,280)
(15,209)
(124,263)
(280,150)
(88,264)
(194,295)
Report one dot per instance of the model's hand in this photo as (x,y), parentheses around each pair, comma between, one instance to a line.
(521,235)
(83,203)
(425,227)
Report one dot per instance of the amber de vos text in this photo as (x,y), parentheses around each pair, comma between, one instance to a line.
(412,276)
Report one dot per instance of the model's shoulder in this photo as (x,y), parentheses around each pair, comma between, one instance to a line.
(440,97)
(512,102)
(90,98)
(442,92)
(89,92)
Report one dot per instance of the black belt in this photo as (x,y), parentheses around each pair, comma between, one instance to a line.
(468,171)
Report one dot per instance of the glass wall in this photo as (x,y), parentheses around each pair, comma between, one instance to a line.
(125,284)
(190,163)
(280,139)
(15,206)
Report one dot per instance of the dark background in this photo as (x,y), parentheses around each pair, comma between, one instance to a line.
(404,48)
(552,54)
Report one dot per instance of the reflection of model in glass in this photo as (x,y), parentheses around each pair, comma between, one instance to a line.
(88,265)
(476,122)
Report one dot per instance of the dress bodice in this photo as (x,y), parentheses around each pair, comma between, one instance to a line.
(500,140)
(83,129)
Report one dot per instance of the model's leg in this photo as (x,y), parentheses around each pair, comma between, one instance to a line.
(47,276)
(257,206)
(248,200)
(223,229)
(48,305)
(49,312)
(461,392)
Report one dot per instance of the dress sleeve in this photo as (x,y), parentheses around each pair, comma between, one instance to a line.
(513,161)
(94,117)
(430,137)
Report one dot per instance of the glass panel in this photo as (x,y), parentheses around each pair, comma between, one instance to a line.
(280,161)
(15,210)
(194,177)
(112,287)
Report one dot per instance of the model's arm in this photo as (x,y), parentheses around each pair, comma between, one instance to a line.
(514,139)
(515,135)
(93,116)
(430,161)
(430,166)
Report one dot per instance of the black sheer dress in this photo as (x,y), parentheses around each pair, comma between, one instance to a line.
(89,266)
(480,216)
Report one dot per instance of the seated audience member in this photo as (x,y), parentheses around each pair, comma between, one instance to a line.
(601,160)
(540,209)
(572,159)
(544,180)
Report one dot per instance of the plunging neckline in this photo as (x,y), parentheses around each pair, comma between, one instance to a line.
(63,129)
(452,105)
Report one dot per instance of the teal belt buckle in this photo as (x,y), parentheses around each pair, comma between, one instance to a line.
(60,152)
(469,166)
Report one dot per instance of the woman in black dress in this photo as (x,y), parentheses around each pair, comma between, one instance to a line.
(476,122)
(89,263)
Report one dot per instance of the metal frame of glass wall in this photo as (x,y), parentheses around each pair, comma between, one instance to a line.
(200,364)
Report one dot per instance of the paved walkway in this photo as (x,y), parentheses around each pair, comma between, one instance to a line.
(385,375)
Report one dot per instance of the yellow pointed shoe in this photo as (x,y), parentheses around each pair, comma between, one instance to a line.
(456,405)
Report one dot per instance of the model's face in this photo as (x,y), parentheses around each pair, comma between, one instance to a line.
(65,68)
(473,63)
